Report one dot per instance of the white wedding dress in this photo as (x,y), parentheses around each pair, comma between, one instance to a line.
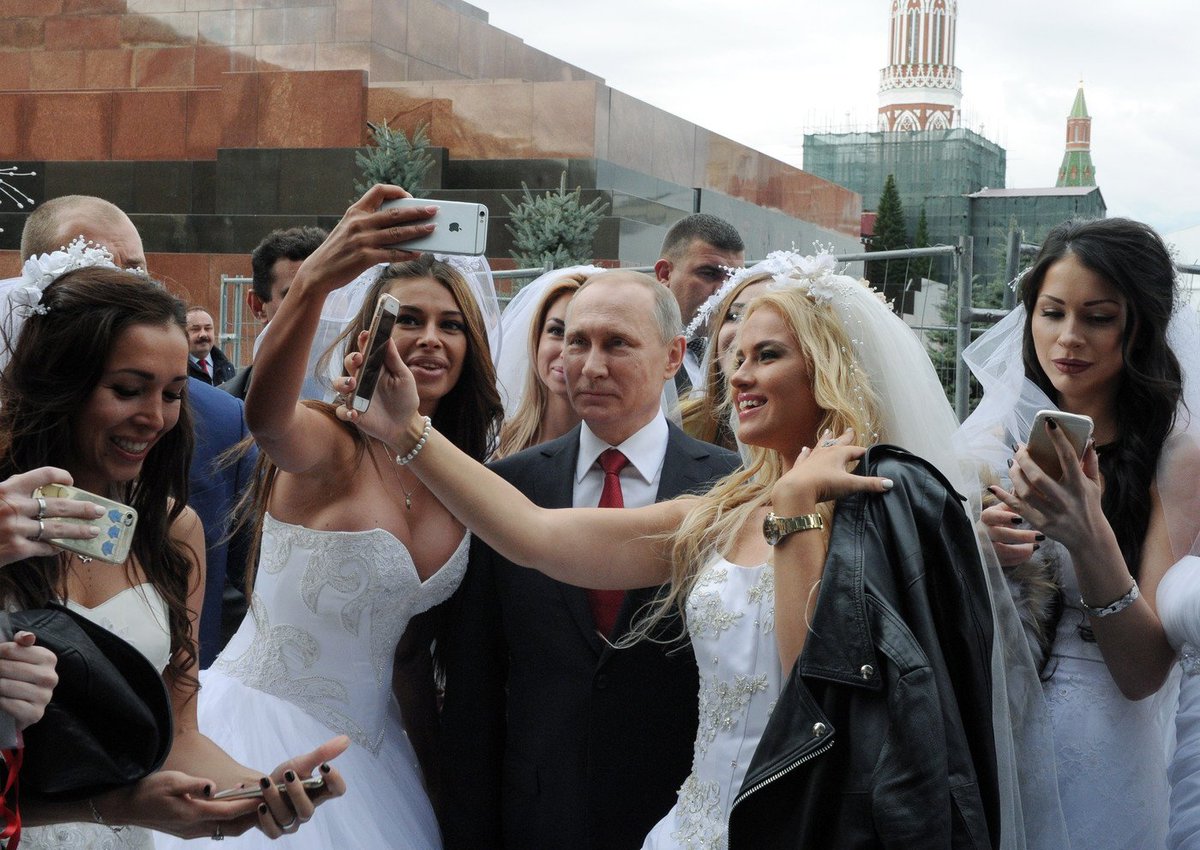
(731,621)
(138,615)
(1110,751)
(313,659)
(1179,609)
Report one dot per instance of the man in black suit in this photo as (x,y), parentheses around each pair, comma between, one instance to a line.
(206,362)
(552,737)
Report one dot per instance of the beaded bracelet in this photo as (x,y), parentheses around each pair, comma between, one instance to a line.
(405,460)
(1116,607)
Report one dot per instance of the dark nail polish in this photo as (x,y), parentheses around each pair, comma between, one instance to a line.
(1037,546)
(289,776)
(1016,520)
(1039,537)
(262,808)
(207,790)
(264,783)
(1051,424)
(325,768)
(1013,447)
(1009,462)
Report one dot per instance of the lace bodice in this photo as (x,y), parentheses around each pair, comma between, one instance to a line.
(327,611)
(731,619)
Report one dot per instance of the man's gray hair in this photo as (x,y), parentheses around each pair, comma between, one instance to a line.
(666,308)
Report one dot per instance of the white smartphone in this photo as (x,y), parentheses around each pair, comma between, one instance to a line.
(313,783)
(1078,429)
(386,310)
(461,228)
(116,526)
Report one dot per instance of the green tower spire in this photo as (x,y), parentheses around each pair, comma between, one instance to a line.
(1077,168)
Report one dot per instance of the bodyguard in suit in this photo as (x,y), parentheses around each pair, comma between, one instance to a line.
(553,738)
(206,362)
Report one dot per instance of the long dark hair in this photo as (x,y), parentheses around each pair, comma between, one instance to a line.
(1132,258)
(56,365)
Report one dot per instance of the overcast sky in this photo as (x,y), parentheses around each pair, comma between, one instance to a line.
(765,71)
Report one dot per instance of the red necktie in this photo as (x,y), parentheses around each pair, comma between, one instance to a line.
(606,604)
(203,365)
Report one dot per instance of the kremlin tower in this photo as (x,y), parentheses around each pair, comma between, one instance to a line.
(920,89)
(1077,168)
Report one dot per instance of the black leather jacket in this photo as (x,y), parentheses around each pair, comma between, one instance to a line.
(882,736)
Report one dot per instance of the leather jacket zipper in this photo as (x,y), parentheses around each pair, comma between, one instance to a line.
(807,757)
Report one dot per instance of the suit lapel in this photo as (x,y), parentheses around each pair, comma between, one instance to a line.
(554,486)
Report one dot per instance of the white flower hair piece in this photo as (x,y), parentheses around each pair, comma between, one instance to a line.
(817,271)
(42,270)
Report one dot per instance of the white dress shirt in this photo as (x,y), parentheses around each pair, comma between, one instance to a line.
(645,450)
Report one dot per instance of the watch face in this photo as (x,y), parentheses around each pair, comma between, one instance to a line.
(771,529)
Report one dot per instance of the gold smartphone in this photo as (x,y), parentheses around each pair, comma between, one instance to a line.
(387,308)
(1078,429)
(116,526)
(313,783)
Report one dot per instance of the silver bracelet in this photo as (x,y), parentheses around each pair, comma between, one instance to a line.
(1116,607)
(405,460)
(116,830)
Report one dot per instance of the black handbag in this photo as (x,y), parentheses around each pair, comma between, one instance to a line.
(109,720)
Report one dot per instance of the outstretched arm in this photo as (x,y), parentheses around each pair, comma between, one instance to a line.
(298,438)
(572,545)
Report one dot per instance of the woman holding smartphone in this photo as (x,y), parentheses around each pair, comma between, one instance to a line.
(1099,332)
(96,385)
(352,545)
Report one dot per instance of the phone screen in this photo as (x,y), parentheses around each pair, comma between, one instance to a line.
(368,376)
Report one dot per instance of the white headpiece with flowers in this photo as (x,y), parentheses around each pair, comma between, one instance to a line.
(42,270)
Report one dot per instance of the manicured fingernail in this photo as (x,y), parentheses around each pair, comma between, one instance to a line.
(325,768)
(1016,520)
(1037,546)
(1009,462)
(888,484)
(1013,447)
(1051,424)
(264,783)
(289,776)
(93,531)
(1039,537)
(97,510)
(207,790)
(262,808)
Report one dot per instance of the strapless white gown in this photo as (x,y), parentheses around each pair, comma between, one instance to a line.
(1179,609)
(731,622)
(139,616)
(1110,751)
(313,659)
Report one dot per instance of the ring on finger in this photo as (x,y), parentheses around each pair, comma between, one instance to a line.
(290,825)
(41,531)
(828,443)
(217,836)
(41,503)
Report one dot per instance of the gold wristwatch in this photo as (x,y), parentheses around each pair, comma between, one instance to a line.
(775,528)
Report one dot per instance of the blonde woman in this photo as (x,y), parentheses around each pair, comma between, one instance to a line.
(803,669)
(537,407)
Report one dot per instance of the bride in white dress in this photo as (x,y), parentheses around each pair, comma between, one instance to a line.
(96,383)
(747,604)
(1099,332)
(352,548)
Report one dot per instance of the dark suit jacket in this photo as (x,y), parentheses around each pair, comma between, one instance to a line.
(239,385)
(553,739)
(214,490)
(223,370)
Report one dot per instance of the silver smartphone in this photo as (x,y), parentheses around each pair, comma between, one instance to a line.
(1078,429)
(116,526)
(387,308)
(461,228)
(313,783)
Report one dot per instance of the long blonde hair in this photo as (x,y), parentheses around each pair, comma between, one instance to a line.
(705,415)
(843,393)
(521,430)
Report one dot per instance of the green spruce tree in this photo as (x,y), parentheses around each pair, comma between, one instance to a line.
(890,233)
(554,229)
(393,158)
